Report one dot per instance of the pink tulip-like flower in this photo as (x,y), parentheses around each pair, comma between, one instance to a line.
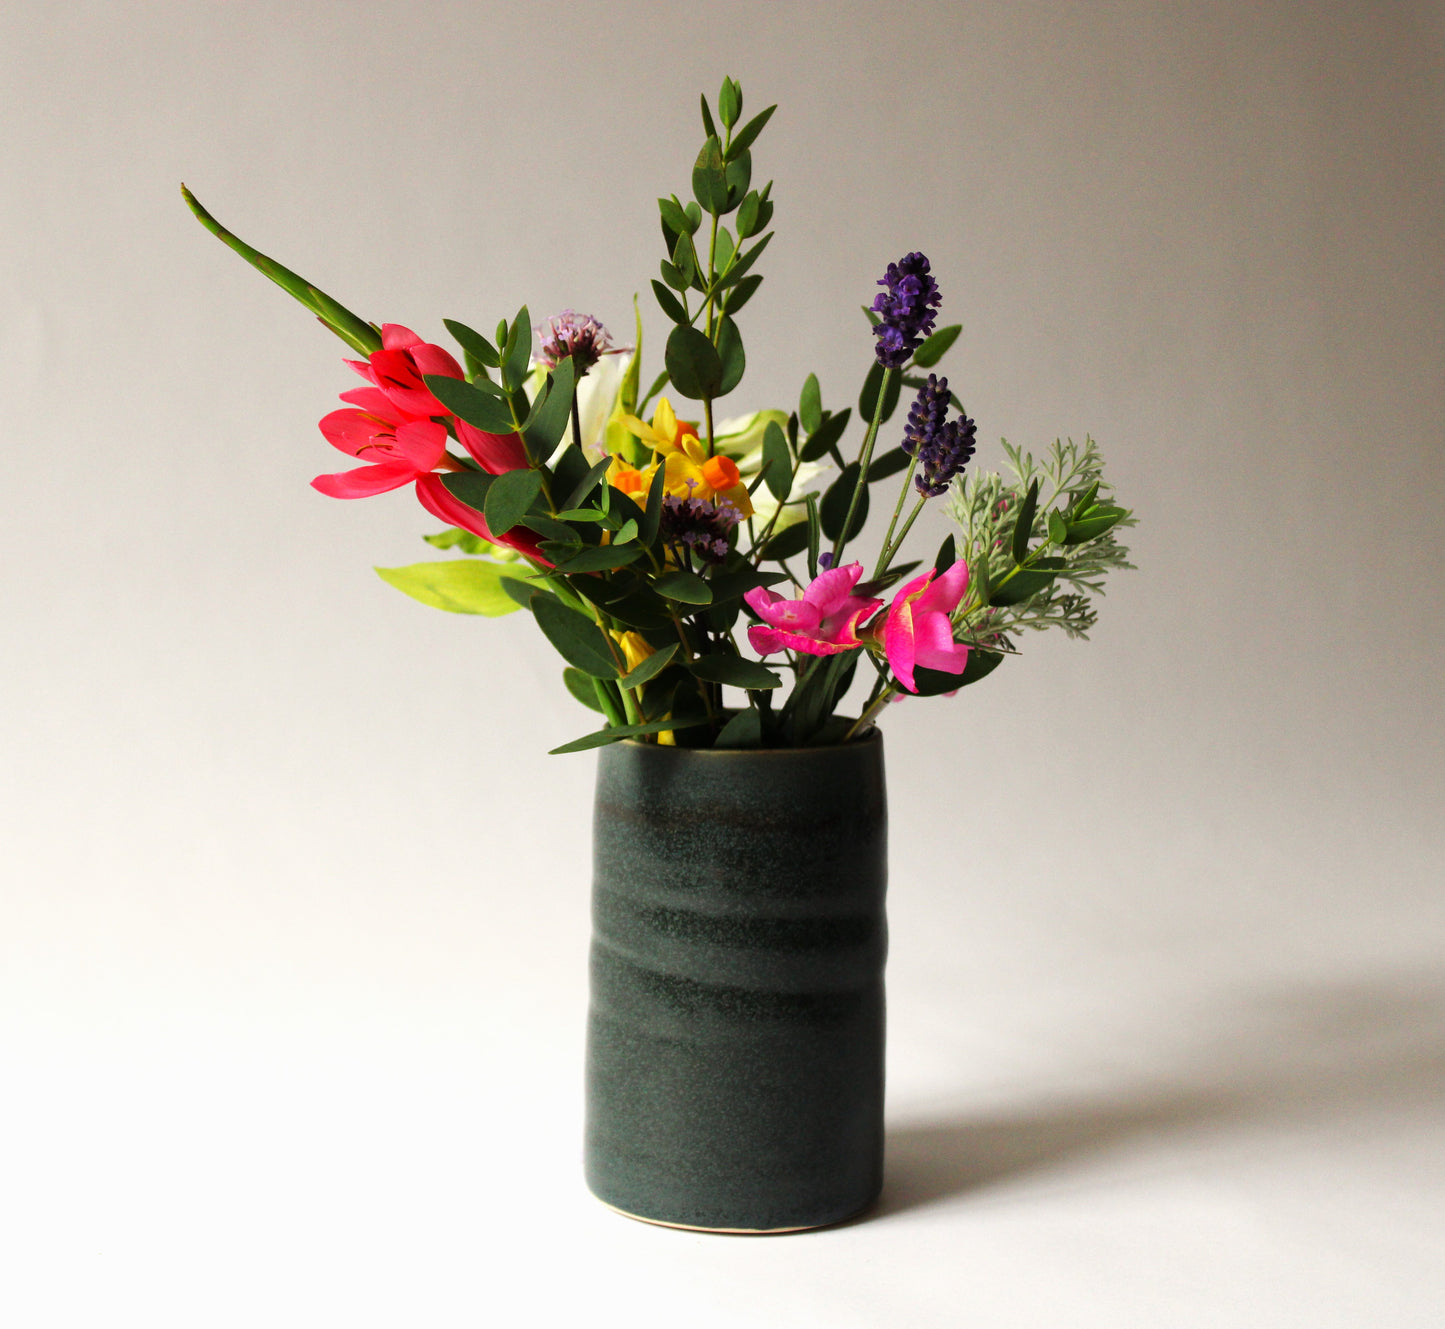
(398,368)
(823,622)
(918,627)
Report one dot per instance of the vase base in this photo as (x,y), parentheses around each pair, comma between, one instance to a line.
(738,1231)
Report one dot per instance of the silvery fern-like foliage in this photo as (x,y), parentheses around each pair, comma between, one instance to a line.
(985,507)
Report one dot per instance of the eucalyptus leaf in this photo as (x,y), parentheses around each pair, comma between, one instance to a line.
(683,586)
(834,511)
(1058,528)
(709,181)
(674,216)
(649,668)
(469,487)
(734,671)
(738,174)
(740,294)
(577,638)
(748,215)
(588,483)
(478,407)
(729,103)
(747,135)
(779,473)
(868,398)
(692,363)
(652,513)
(518,352)
(786,543)
(581,687)
(744,730)
(598,558)
(730,353)
(735,273)
(947,556)
(810,405)
(549,421)
(511,494)
(827,436)
(473,343)
(667,301)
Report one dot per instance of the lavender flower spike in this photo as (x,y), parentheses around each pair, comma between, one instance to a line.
(579,335)
(906,310)
(945,455)
(925,416)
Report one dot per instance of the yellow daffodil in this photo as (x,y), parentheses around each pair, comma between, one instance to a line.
(635,649)
(691,473)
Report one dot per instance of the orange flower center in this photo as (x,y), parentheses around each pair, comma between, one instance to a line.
(629,482)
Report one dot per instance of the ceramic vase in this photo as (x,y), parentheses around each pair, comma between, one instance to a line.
(736,1025)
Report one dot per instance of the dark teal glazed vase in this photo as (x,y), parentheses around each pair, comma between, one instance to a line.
(735,1037)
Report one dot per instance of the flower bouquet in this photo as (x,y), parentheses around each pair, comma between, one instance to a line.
(655,550)
(699,577)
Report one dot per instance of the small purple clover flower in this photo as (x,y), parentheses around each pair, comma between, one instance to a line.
(701,527)
(906,310)
(579,335)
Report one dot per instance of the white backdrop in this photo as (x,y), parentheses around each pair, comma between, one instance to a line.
(293,912)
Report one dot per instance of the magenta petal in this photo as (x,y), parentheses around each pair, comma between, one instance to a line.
(765,640)
(395,337)
(353,432)
(898,643)
(365,480)
(422,442)
(494,453)
(791,615)
(946,591)
(375,402)
(759,598)
(949,660)
(434,360)
(833,585)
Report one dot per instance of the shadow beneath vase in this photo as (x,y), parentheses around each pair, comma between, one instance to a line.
(1322,1050)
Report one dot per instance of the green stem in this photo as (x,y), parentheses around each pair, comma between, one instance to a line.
(889,548)
(865,459)
(866,719)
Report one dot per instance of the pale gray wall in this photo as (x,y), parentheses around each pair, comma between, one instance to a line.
(248,790)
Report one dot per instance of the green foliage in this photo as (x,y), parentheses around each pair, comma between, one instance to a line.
(458,585)
(1056,586)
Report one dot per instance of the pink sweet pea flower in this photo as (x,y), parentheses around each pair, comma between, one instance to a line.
(823,622)
(918,629)
(397,370)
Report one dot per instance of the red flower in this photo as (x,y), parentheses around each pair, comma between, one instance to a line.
(400,448)
(397,370)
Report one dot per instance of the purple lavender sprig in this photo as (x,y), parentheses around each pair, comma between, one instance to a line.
(906,310)
(944,456)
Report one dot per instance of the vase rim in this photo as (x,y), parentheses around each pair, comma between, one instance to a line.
(872,738)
